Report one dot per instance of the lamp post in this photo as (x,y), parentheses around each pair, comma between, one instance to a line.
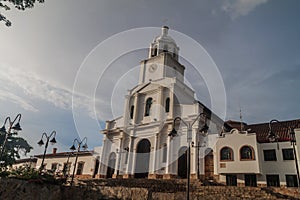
(41,143)
(189,126)
(274,137)
(73,148)
(2,18)
(11,126)
(198,146)
(66,168)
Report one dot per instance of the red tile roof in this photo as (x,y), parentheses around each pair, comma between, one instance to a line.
(262,129)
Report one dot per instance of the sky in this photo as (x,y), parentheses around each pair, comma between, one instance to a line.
(53,71)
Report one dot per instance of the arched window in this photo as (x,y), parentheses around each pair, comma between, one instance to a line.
(167,108)
(226,154)
(131,112)
(154,51)
(247,153)
(148,106)
(165,48)
(174,53)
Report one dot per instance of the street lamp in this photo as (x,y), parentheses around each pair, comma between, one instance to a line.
(41,143)
(198,146)
(2,18)
(73,148)
(11,126)
(272,136)
(66,168)
(189,126)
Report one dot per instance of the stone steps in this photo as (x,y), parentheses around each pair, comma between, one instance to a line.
(13,189)
(176,189)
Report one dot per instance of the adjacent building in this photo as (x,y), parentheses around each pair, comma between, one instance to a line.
(26,162)
(247,155)
(63,163)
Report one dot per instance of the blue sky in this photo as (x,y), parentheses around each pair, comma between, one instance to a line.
(254,43)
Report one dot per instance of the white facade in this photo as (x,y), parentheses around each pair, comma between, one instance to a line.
(137,144)
(27,162)
(259,166)
(87,165)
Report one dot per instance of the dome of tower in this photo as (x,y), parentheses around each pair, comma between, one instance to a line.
(164,44)
(164,37)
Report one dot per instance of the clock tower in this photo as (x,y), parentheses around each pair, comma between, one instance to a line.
(162,60)
(137,144)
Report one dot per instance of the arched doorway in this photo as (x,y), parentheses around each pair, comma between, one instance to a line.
(142,159)
(182,162)
(96,168)
(209,164)
(111,165)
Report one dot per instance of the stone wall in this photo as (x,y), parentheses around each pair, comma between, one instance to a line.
(140,189)
(14,189)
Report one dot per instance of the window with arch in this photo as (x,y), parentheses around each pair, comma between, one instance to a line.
(154,51)
(167,108)
(165,48)
(148,106)
(247,153)
(131,112)
(174,53)
(226,154)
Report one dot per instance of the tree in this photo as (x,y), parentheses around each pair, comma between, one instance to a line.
(18,4)
(14,146)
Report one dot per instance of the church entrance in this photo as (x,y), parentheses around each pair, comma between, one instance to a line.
(209,164)
(111,165)
(96,167)
(182,162)
(142,159)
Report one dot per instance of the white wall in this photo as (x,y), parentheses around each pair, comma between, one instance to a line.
(260,167)
(89,163)
(280,167)
(235,140)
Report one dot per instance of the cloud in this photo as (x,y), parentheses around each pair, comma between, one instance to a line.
(34,87)
(8,96)
(236,8)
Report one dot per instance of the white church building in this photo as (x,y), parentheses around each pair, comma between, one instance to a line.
(138,144)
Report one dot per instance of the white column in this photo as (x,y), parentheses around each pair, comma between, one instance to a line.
(169,149)
(133,158)
(171,112)
(154,154)
(162,104)
(126,110)
(129,156)
(103,157)
(194,152)
(136,105)
(118,158)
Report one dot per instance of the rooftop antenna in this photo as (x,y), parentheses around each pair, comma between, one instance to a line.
(241,119)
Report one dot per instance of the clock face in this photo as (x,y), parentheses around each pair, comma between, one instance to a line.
(152,68)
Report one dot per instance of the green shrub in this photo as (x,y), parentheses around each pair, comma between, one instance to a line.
(4,173)
(32,174)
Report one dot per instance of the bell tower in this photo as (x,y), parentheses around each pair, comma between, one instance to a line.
(164,43)
(162,60)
